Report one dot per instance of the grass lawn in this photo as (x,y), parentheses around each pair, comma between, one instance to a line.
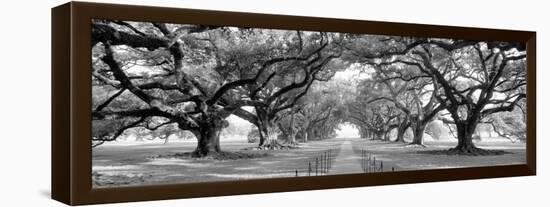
(116,164)
(402,157)
(131,163)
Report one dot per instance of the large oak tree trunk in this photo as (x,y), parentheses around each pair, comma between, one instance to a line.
(380,135)
(292,134)
(401,133)
(208,141)
(386,134)
(465,133)
(372,135)
(365,133)
(306,134)
(292,138)
(208,135)
(418,134)
(269,134)
(269,137)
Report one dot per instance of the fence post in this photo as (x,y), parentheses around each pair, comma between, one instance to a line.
(381,166)
(392,169)
(327,154)
(363,159)
(367,162)
(296,173)
(329,158)
(309,169)
(373,163)
(321,163)
(325,166)
(316,165)
(324,162)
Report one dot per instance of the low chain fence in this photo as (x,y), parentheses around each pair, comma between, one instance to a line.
(369,164)
(319,164)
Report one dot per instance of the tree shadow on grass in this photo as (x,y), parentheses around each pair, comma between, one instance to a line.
(224,155)
(108,180)
(473,152)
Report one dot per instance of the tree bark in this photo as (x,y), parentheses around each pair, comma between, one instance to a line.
(270,135)
(401,132)
(465,133)
(365,133)
(267,134)
(371,134)
(285,132)
(379,134)
(386,135)
(292,138)
(208,141)
(292,134)
(465,130)
(418,134)
(263,134)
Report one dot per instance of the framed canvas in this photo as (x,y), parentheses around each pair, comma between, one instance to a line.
(154,103)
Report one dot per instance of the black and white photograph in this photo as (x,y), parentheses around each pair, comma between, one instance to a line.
(185,103)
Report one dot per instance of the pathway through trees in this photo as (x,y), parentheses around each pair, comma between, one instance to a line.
(346,162)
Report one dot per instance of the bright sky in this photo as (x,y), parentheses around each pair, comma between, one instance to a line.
(347,131)
(232,119)
(353,72)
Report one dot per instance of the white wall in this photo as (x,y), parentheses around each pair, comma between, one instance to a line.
(25,92)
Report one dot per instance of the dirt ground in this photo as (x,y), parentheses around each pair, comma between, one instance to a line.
(131,163)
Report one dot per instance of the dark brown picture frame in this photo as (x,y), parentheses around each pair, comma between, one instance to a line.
(71,94)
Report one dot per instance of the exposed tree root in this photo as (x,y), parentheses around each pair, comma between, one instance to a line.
(292,143)
(274,145)
(199,154)
(100,179)
(466,150)
(223,155)
(399,141)
(414,145)
(472,150)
